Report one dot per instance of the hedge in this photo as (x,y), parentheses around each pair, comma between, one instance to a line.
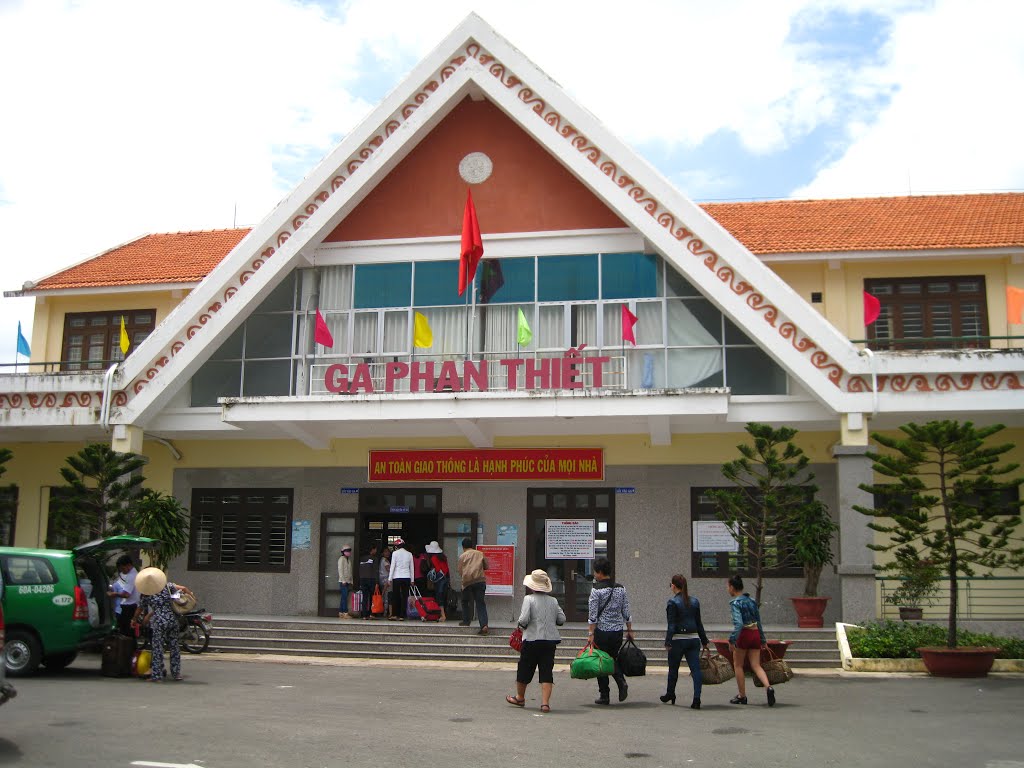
(901,639)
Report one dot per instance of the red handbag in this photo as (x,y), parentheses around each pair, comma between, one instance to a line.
(515,640)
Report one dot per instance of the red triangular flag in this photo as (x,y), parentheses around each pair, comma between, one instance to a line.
(322,334)
(628,321)
(872,308)
(472,245)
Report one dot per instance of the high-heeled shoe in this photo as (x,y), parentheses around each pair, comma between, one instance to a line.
(668,698)
(695,704)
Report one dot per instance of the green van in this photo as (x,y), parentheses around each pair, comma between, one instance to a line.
(55,601)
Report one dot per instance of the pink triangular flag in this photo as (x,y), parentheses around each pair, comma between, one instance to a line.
(628,321)
(872,308)
(322,334)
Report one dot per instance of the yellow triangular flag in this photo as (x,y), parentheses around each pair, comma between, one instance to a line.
(422,336)
(125,342)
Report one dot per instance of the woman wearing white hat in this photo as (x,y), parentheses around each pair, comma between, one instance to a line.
(439,575)
(155,612)
(540,619)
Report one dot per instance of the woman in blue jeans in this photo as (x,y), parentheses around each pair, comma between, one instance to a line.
(684,636)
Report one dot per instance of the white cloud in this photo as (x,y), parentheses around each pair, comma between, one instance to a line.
(955,122)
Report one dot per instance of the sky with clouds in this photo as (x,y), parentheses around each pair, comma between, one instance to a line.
(123,117)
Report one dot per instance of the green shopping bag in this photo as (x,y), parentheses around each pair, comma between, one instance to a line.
(590,663)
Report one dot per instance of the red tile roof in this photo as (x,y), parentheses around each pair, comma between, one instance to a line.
(777,226)
(178,257)
(923,222)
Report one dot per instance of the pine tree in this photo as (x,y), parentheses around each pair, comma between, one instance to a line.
(101,483)
(947,505)
(774,495)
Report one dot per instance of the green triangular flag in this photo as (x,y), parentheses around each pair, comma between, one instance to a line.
(523,333)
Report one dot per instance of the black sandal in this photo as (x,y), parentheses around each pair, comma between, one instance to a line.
(738,700)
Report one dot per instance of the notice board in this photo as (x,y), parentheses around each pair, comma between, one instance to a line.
(501,566)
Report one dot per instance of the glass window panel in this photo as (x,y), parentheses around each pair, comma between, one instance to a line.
(231,349)
(397,336)
(645,368)
(942,319)
(584,324)
(282,298)
(677,285)
(335,287)
(436,283)
(341,525)
(143,318)
(267,377)
(216,379)
(560,500)
(551,332)
(648,328)
(98,320)
(364,339)
(504,281)
(383,285)
(77,322)
(749,371)
(908,289)
(629,276)
(448,328)
(75,341)
(693,323)
(733,335)
(337,324)
(567,278)
(969,286)
(268,336)
(942,287)
(695,368)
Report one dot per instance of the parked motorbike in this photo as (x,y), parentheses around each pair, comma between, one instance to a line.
(195,630)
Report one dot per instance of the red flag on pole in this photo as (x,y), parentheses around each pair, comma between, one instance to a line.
(472,245)
(322,334)
(872,308)
(628,321)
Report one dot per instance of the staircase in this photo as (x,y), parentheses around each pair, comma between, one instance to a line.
(345,638)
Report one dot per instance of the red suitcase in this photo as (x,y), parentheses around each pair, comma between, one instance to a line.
(427,607)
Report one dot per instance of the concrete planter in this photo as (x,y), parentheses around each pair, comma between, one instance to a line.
(854,664)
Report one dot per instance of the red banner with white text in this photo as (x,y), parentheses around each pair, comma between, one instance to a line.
(465,464)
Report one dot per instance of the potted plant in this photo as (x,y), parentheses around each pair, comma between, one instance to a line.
(812,546)
(919,582)
(948,504)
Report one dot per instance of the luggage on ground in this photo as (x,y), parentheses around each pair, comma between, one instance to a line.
(427,607)
(410,607)
(591,663)
(356,603)
(632,660)
(377,602)
(116,658)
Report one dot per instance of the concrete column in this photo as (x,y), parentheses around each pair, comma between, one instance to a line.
(856,561)
(127,439)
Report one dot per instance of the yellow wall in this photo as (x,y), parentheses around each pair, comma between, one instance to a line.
(48,323)
(842,284)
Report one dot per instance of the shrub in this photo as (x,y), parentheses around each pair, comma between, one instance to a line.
(900,640)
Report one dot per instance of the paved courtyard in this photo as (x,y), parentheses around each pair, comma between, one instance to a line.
(232,713)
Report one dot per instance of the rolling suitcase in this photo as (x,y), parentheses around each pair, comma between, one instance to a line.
(356,603)
(116,658)
(427,607)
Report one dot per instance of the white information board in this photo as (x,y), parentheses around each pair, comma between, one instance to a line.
(569,539)
(713,536)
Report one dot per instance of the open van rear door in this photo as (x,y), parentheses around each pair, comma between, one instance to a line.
(99,546)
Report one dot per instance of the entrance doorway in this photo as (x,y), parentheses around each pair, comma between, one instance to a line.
(386,514)
(571,579)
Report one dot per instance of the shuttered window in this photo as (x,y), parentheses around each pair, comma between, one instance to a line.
(929,312)
(92,340)
(241,530)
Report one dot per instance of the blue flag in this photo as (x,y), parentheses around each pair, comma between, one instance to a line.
(23,343)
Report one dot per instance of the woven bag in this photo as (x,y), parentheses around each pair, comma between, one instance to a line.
(776,669)
(716,669)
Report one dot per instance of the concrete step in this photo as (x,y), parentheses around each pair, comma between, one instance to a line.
(303,636)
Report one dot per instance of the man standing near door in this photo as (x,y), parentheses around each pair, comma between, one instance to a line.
(472,565)
(609,614)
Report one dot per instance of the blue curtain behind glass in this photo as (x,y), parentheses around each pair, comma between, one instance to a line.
(629,276)
(567,278)
(383,285)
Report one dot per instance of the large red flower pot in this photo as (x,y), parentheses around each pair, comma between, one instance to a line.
(777,648)
(958,662)
(809,611)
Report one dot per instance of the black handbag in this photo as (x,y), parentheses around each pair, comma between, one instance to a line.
(632,661)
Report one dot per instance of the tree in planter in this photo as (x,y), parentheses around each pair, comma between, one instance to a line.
(948,504)
(160,517)
(774,492)
(813,529)
(100,485)
(919,582)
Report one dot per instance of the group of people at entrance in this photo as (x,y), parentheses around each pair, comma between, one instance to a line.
(610,620)
(387,577)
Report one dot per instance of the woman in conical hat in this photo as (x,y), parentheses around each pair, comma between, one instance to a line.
(155,611)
